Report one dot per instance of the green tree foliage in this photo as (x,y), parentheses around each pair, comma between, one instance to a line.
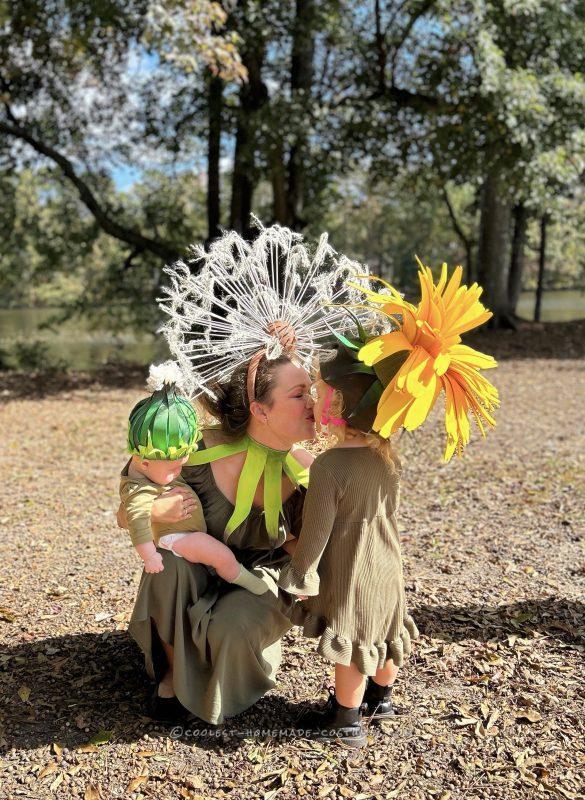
(54,253)
(422,126)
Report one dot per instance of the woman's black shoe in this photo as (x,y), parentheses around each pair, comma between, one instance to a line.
(334,723)
(377,704)
(166,709)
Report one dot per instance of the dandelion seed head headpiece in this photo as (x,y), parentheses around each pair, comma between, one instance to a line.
(240,302)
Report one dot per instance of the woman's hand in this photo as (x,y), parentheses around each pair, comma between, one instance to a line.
(173,506)
(290,546)
(302,456)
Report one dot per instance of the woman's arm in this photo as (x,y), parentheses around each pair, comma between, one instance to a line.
(302,456)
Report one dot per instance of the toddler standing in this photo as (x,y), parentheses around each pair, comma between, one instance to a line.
(348,562)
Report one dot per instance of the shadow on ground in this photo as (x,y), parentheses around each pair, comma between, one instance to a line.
(560,619)
(96,682)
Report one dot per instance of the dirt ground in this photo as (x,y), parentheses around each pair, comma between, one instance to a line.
(491,703)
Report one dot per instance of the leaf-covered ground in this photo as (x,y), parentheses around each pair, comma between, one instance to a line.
(490,703)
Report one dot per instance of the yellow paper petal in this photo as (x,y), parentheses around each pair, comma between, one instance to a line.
(419,410)
(442,362)
(391,413)
(382,347)
(437,360)
(467,355)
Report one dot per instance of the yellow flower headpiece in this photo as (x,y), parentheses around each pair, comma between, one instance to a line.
(431,334)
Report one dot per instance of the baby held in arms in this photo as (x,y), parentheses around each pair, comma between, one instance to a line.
(162,433)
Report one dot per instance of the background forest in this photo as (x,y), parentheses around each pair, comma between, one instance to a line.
(453,130)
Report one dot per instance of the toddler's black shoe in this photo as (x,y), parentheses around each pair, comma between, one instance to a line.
(334,723)
(377,704)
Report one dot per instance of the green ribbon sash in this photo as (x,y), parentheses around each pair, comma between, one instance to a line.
(260,461)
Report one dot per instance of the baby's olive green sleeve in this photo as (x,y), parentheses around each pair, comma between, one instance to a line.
(300,576)
(138,502)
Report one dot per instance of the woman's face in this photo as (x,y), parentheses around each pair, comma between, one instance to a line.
(290,414)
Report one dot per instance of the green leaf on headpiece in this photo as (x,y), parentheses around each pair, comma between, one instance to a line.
(357,368)
(163,426)
(361,332)
(387,368)
(173,426)
(347,342)
(370,398)
(150,416)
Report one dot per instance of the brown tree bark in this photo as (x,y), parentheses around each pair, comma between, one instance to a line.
(465,240)
(279,184)
(215,101)
(301,80)
(253,95)
(492,253)
(541,267)
(520,215)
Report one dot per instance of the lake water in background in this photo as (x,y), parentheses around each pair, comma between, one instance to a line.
(75,344)
(560,305)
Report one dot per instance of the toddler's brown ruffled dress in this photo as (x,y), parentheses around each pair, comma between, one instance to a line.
(348,559)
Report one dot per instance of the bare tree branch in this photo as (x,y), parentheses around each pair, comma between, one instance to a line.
(456,226)
(161,249)
(381,48)
(406,99)
(405,33)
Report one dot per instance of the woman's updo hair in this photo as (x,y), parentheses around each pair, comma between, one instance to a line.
(231,405)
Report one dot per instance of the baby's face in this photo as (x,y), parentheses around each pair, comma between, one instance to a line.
(161,471)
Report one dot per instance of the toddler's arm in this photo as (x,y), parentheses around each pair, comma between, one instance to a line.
(136,506)
(300,576)
(122,517)
(171,506)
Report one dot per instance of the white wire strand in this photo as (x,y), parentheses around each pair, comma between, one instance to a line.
(274,278)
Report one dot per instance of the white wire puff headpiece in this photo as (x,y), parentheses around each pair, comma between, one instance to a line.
(241,301)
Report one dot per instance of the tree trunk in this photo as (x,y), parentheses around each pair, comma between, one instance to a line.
(242,187)
(213,156)
(520,215)
(253,95)
(301,79)
(465,240)
(541,266)
(278,179)
(492,254)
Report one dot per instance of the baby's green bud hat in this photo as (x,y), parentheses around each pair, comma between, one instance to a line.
(163,426)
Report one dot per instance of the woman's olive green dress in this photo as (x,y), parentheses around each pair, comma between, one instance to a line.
(226,640)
